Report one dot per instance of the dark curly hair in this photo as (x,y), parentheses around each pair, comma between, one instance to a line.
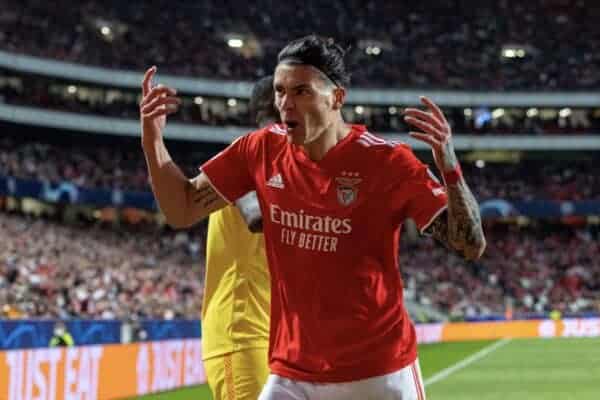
(322,53)
(261,107)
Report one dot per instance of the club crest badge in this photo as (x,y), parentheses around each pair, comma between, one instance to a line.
(347,190)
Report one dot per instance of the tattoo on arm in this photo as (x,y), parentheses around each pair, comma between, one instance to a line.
(459,228)
(205,195)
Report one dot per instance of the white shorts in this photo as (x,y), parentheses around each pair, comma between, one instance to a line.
(405,384)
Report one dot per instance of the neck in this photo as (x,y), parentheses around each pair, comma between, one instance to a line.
(331,135)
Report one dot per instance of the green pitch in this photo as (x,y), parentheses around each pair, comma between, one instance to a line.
(191,393)
(536,369)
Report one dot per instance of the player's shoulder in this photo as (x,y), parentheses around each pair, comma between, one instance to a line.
(395,155)
(269,132)
(373,143)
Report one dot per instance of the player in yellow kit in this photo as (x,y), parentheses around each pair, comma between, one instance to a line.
(235,311)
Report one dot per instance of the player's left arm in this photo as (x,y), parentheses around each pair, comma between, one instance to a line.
(459,227)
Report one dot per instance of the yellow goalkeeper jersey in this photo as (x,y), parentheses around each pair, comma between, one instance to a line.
(235,310)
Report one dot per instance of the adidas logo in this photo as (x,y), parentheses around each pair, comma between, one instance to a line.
(276,182)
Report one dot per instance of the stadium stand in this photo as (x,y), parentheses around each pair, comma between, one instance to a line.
(50,269)
(83,244)
(63,95)
(53,269)
(122,167)
(456,45)
(450,46)
(531,271)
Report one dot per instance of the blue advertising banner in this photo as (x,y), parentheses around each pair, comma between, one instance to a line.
(27,334)
(172,329)
(67,192)
(21,334)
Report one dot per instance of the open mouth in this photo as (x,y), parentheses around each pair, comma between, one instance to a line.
(291,125)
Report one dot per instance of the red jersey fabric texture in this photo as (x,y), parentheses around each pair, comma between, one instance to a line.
(331,230)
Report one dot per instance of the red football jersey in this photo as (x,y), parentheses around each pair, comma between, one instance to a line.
(331,231)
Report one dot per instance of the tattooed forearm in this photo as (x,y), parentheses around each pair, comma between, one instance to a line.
(460,229)
(439,229)
(205,195)
(464,221)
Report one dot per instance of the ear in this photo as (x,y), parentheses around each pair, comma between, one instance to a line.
(339,97)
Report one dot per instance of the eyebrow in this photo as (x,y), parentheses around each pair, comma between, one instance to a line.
(300,86)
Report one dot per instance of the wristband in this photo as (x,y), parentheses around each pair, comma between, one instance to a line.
(452,177)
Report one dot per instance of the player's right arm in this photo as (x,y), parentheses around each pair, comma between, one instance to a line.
(183,201)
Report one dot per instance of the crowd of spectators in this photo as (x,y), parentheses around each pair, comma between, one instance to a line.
(538,272)
(53,270)
(88,166)
(453,44)
(123,167)
(535,180)
(528,271)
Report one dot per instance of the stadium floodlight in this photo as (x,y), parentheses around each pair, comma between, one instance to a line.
(497,113)
(374,47)
(105,30)
(509,53)
(514,51)
(564,113)
(235,43)
(359,109)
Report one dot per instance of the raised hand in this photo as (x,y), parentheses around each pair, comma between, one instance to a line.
(435,131)
(157,102)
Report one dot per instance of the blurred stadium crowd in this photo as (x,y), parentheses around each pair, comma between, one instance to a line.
(124,168)
(50,268)
(150,272)
(540,272)
(495,45)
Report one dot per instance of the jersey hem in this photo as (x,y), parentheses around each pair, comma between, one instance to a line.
(365,372)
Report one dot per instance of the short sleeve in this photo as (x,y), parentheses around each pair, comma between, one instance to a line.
(417,193)
(229,171)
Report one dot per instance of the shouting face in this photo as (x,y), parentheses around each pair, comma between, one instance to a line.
(308,102)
